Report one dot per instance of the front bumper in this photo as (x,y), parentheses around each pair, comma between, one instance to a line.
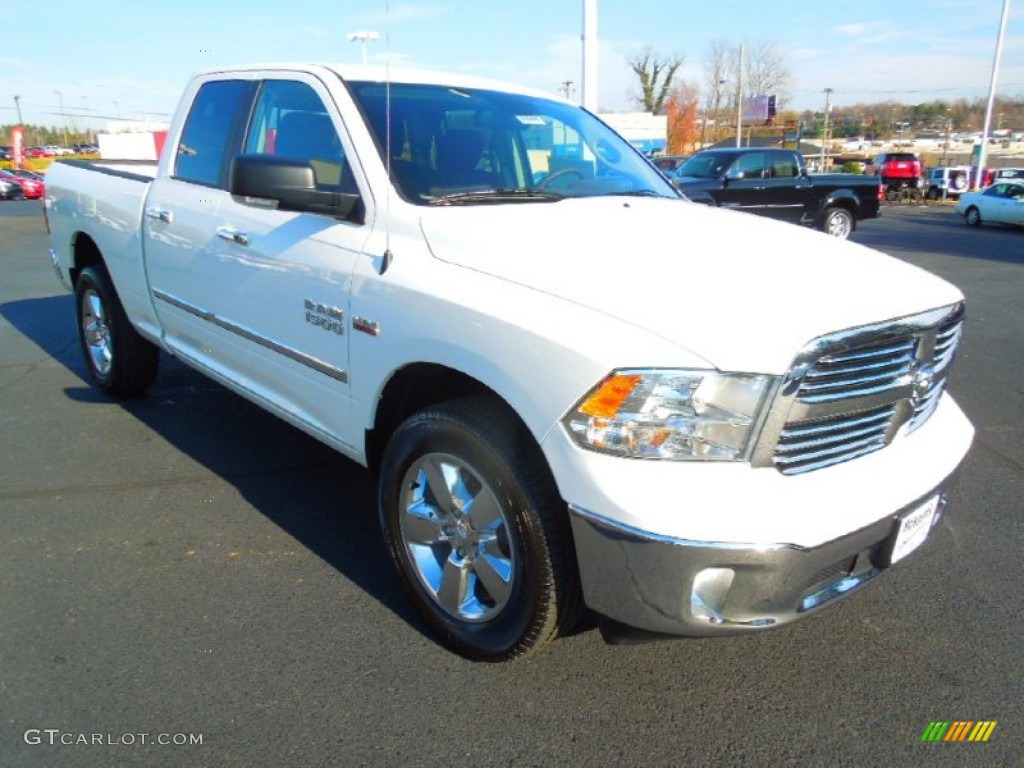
(672,586)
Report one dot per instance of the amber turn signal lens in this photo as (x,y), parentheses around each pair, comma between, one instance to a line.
(610,395)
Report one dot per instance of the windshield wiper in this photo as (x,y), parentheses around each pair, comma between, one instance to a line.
(635,193)
(497,196)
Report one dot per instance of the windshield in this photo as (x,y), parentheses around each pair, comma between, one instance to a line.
(704,166)
(454,146)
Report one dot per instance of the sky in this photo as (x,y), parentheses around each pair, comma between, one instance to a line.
(95,62)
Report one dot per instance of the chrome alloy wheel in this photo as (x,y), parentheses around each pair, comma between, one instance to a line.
(840,225)
(96,332)
(456,536)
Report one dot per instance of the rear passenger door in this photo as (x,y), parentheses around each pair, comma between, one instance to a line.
(787,190)
(743,187)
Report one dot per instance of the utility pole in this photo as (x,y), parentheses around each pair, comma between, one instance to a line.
(824,129)
(567,88)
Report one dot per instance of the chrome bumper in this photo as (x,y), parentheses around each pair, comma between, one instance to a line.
(677,587)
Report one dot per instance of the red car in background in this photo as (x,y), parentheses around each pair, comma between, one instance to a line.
(899,171)
(34,187)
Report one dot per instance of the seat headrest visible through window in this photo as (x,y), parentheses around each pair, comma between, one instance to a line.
(459,149)
(311,136)
(307,135)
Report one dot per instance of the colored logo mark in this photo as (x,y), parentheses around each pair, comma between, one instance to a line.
(958,730)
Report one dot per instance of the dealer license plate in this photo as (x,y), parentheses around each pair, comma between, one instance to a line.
(914,528)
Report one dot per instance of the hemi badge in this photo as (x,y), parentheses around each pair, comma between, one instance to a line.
(366,326)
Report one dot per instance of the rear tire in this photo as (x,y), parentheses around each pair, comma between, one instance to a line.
(477,530)
(119,360)
(837,222)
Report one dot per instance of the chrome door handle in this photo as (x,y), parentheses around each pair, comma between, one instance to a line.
(234,235)
(160,215)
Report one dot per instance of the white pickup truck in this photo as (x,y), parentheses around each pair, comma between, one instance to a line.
(576,388)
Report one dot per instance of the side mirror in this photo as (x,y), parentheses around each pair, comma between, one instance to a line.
(290,184)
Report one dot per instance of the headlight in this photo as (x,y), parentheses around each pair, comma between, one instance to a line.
(670,414)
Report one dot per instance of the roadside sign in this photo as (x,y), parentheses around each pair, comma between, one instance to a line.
(18,146)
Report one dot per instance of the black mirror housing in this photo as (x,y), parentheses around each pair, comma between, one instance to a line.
(291,183)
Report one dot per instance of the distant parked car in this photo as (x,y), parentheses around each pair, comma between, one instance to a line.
(948,181)
(899,171)
(1002,203)
(1003,174)
(33,188)
(27,174)
(668,163)
(11,190)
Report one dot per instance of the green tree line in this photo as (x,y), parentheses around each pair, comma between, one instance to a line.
(38,135)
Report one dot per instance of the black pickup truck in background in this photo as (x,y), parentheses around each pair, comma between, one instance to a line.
(775,182)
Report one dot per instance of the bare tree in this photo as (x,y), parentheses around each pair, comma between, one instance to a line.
(718,71)
(766,71)
(655,74)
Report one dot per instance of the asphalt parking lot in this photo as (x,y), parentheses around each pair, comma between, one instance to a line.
(185,565)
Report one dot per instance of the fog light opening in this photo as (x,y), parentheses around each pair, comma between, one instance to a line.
(710,590)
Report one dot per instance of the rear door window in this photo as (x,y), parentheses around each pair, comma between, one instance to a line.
(748,167)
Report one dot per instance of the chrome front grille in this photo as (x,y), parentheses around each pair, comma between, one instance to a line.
(810,445)
(852,393)
(858,372)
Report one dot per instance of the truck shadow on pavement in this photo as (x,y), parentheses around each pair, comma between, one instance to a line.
(323,500)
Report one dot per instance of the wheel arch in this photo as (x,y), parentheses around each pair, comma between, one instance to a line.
(841,198)
(416,386)
(84,253)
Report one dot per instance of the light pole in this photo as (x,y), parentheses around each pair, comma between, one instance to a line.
(363,37)
(590,54)
(739,102)
(824,129)
(63,117)
(17,106)
(979,179)
(949,136)
(85,119)
(717,98)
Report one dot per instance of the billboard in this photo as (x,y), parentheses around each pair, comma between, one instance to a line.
(758,109)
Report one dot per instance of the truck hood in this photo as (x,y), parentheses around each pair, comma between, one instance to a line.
(743,292)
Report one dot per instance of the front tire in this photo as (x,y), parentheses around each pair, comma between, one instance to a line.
(477,530)
(837,222)
(973,217)
(119,360)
